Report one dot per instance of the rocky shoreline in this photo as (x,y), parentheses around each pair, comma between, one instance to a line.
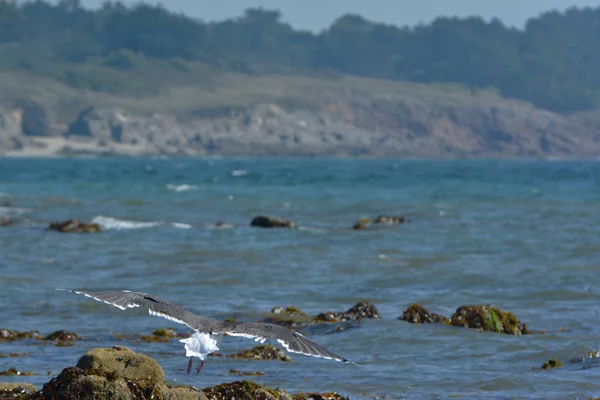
(345,122)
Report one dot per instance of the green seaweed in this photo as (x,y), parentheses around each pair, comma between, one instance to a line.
(552,363)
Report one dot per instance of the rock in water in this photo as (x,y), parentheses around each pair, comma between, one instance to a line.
(73,225)
(489,319)
(271,222)
(362,310)
(263,352)
(417,314)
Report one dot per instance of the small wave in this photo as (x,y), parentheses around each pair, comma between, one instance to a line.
(181,188)
(181,225)
(239,172)
(13,211)
(118,224)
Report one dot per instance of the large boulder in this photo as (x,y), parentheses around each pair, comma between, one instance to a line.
(10,129)
(34,118)
(120,362)
(159,131)
(115,373)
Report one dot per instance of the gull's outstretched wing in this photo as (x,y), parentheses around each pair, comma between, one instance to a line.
(292,341)
(125,299)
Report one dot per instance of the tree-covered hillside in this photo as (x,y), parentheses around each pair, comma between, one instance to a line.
(553,62)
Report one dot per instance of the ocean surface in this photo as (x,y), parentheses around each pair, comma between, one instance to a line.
(521,235)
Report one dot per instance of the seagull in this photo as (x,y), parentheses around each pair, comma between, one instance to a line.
(200,343)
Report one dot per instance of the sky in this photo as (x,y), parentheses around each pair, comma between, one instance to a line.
(319,14)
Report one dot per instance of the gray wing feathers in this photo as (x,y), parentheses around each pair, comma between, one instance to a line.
(156,306)
(294,342)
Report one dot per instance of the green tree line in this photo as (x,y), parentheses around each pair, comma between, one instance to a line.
(553,62)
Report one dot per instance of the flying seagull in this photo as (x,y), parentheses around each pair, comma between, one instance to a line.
(200,344)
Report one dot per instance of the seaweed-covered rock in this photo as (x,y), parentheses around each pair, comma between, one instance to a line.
(74,383)
(245,373)
(362,310)
(362,223)
(552,363)
(290,310)
(7,335)
(62,335)
(291,317)
(244,390)
(16,390)
(115,373)
(5,221)
(15,372)
(74,226)
(488,318)
(272,222)
(121,362)
(319,396)
(417,314)
(390,219)
(162,335)
(183,393)
(263,352)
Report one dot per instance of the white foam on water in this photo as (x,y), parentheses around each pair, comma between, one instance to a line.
(12,211)
(119,224)
(239,172)
(181,225)
(180,188)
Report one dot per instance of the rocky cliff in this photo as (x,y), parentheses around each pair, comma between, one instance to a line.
(345,121)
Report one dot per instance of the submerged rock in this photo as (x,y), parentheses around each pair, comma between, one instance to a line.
(63,335)
(15,372)
(162,335)
(263,352)
(272,222)
(320,396)
(417,314)
(552,363)
(245,373)
(6,335)
(17,390)
(362,223)
(488,318)
(73,225)
(5,221)
(291,317)
(223,225)
(290,311)
(390,219)
(362,310)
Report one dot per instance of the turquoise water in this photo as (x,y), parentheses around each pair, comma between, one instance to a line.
(522,235)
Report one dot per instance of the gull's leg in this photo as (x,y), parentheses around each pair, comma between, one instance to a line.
(200,367)
(189,367)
